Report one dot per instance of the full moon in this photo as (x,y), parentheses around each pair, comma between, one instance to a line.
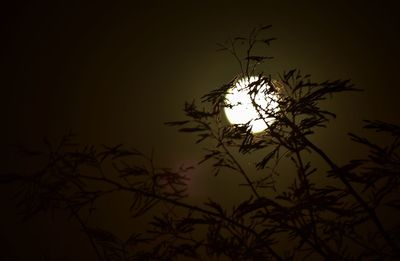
(240,108)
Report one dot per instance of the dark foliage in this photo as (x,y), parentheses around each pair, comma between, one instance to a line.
(324,215)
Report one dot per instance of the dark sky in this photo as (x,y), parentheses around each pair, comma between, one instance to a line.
(115,72)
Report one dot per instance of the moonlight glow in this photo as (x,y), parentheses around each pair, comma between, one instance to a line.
(241,109)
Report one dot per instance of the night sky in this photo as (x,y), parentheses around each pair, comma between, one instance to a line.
(114,73)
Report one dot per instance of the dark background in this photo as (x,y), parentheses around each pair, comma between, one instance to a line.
(115,72)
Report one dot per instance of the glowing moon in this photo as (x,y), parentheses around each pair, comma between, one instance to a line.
(240,108)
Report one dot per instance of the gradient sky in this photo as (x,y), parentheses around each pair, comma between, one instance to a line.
(115,72)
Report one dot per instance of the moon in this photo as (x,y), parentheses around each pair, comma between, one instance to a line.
(239,106)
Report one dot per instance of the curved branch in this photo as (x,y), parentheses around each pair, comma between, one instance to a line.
(180,204)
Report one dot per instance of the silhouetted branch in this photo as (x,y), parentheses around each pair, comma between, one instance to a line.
(309,217)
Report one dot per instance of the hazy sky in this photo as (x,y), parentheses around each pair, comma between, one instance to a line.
(115,72)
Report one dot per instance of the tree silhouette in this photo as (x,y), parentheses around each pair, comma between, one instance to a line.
(327,212)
